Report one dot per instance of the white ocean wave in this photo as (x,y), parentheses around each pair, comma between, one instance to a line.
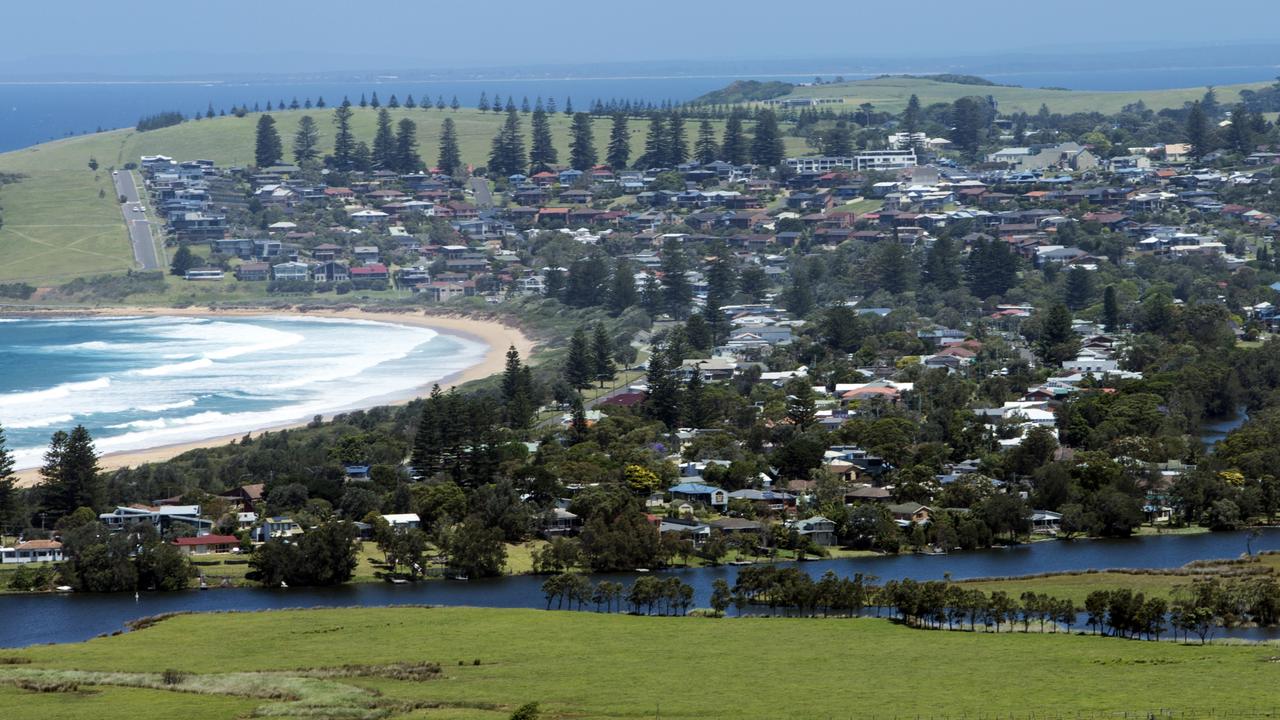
(57,392)
(167,406)
(314,366)
(174,368)
(40,422)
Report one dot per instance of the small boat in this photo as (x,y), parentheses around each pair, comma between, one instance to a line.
(741,562)
(64,588)
(645,570)
(397,581)
(284,585)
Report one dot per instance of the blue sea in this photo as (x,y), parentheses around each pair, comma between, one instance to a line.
(143,382)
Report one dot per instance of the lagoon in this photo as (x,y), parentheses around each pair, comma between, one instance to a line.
(32,619)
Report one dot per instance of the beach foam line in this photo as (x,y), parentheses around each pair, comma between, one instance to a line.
(56,392)
(39,422)
(167,406)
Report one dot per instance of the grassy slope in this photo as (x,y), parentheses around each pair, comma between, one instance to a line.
(891,94)
(1077,586)
(590,665)
(57,228)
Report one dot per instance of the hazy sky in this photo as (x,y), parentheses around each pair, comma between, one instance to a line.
(167,37)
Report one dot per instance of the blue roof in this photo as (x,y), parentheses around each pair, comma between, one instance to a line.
(695,489)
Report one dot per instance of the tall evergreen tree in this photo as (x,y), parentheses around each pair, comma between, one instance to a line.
(579,366)
(483,105)
(837,141)
(406,155)
(8,490)
(542,151)
(182,260)
(344,141)
(1240,134)
(71,474)
(582,143)
(967,125)
(677,293)
(1079,288)
(1110,309)
(721,281)
(662,401)
(766,142)
(677,141)
(1199,134)
(619,152)
(507,156)
(991,268)
(449,160)
(306,141)
(384,143)
(517,392)
(373,101)
(912,118)
(267,149)
(602,354)
(733,149)
(942,264)
(705,150)
(622,288)
(656,151)
(1056,341)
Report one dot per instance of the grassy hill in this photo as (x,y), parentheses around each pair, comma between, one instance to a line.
(891,94)
(582,664)
(56,227)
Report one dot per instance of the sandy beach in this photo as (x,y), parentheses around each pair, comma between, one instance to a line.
(497,336)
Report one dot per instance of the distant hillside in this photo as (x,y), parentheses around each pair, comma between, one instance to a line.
(740,91)
(949,78)
(890,93)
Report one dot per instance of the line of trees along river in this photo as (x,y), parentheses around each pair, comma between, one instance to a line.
(76,617)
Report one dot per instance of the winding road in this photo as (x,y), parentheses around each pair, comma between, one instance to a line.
(135,219)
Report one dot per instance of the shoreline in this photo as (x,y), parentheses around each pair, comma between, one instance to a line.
(496,336)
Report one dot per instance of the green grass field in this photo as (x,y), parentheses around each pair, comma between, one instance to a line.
(1077,586)
(615,666)
(891,94)
(56,227)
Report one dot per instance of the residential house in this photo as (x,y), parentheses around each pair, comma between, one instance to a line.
(205,544)
(817,530)
(31,551)
(700,493)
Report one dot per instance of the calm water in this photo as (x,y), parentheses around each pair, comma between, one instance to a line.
(33,619)
(140,382)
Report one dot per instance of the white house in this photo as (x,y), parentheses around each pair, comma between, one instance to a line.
(399,521)
(32,551)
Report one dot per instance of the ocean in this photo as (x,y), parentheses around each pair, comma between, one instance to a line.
(143,382)
(32,113)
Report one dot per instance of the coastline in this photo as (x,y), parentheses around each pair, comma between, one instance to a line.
(496,336)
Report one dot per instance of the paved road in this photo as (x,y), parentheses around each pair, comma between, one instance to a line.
(135,218)
(483,195)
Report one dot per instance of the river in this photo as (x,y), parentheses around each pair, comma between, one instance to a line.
(48,618)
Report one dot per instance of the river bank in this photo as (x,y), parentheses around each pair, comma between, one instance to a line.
(73,617)
(497,337)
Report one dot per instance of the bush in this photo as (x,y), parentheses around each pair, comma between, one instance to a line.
(159,120)
(20,291)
